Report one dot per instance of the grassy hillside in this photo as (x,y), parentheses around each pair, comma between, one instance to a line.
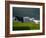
(25,26)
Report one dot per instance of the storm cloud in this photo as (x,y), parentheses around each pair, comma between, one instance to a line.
(26,12)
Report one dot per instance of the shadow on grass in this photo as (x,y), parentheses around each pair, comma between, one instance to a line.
(21,28)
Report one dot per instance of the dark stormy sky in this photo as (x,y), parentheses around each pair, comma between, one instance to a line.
(28,12)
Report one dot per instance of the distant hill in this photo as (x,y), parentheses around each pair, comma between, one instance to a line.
(26,12)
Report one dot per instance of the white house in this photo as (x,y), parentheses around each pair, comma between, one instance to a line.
(26,19)
(31,19)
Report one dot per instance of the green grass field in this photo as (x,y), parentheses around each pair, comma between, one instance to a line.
(25,26)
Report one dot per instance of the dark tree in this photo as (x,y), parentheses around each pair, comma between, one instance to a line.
(19,18)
